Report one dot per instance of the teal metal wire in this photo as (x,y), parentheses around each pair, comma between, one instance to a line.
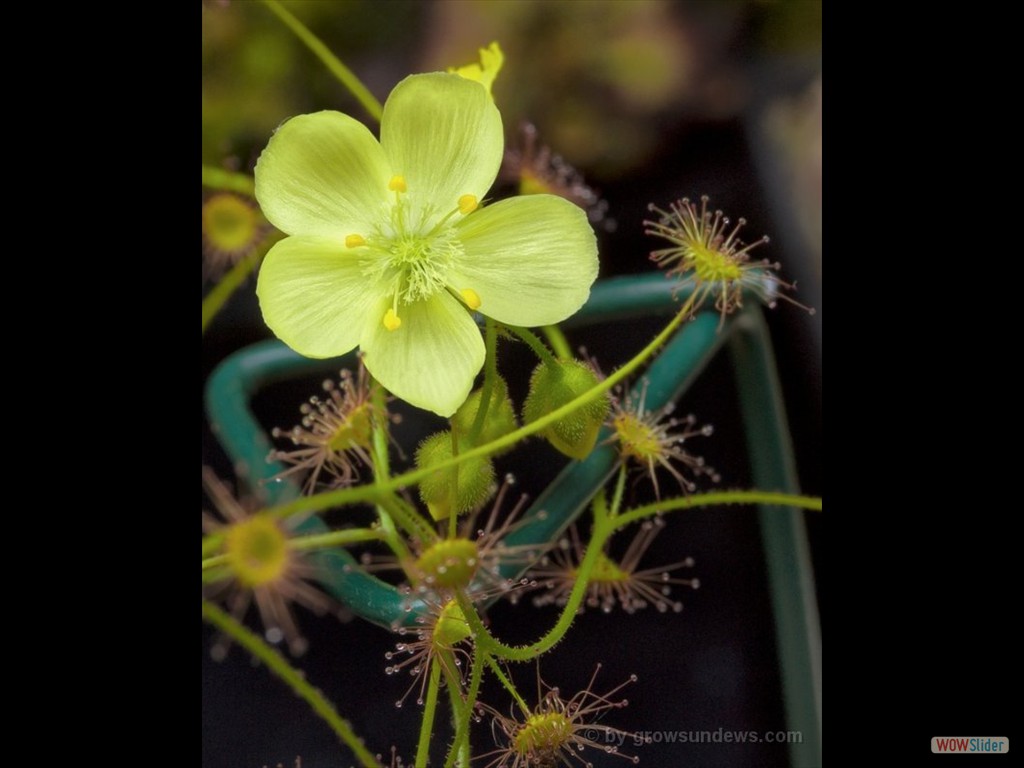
(791,582)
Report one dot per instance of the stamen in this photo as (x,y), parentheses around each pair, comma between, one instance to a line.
(471,297)
(468,203)
(397,184)
(392,321)
(354,241)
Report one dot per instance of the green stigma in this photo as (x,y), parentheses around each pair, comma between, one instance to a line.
(636,437)
(354,432)
(713,266)
(543,734)
(257,551)
(608,571)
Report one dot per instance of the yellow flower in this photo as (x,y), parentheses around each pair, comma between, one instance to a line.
(390,249)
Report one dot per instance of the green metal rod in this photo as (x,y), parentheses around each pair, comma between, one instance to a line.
(787,554)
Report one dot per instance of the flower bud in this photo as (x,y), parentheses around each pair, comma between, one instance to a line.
(438,490)
(551,387)
(499,420)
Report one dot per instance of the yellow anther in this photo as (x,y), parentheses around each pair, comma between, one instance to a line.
(471,297)
(392,321)
(468,203)
(354,241)
(397,184)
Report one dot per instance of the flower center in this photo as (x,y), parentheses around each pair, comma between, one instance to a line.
(419,264)
(636,437)
(230,224)
(607,571)
(711,265)
(543,735)
(412,250)
(354,431)
(257,551)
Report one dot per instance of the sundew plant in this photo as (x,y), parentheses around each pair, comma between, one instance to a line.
(379,242)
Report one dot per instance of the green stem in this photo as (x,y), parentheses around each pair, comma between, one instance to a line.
(382,464)
(557,341)
(601,531)
(394,541)
(292,678)
(620,487)
(427,726)
(718,498)
(408,519)
(462,726)
(334,538)
(496,669)
(314,541)
(218,296)
(389,507)
(604,527)
(599,506)
(534,343)
(332,62)
(490,376)
(363,493)
(218,178)
(379,425)
(214,575)
(212,542)
(373,494)
(213,562)
(459,709)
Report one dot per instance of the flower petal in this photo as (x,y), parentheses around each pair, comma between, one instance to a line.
(314,295)
(531,259)
(491,60)
(443,134)
(321,173)
(431,360)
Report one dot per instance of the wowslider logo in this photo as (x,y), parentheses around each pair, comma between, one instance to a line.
(978,745)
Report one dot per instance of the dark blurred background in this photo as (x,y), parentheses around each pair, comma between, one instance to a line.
(651,101)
